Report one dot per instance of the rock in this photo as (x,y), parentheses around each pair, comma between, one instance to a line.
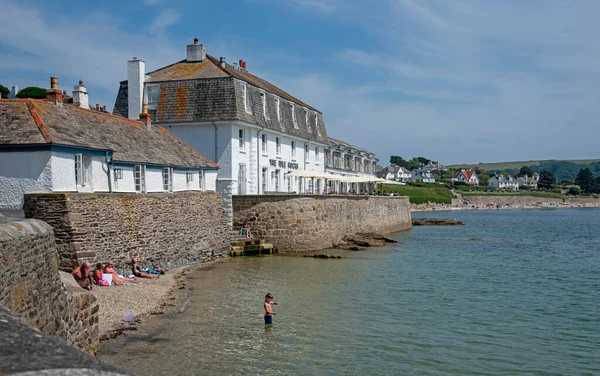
(366,239)
(324,256)
(436,222)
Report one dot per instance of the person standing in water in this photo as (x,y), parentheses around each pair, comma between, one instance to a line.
(268,311)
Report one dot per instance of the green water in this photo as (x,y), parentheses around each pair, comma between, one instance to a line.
(509,293)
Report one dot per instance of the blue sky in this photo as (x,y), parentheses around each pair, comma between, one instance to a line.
(455,81)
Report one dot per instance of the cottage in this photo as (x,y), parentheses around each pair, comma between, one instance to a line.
(47,146)
(504,182)
(528,182)
(467,176)
(395,173)
(256,132)
(423,175)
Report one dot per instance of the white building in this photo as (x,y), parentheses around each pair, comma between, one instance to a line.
(395,173)
(424,175)
(47,146)
(467,176)
(504,182)
(346,160)
(256,132)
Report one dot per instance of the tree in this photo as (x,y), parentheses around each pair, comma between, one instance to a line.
(585,179)
(574,190)
(4,91)
(525,170)
(422,160)
(397,160)
(547,179)
(32,92)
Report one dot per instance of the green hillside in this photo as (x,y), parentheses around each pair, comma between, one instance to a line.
(562,169)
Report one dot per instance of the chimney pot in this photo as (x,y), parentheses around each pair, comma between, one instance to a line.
(53,83)
(97,107)
(80,82)
(104,108)
(54,95)
(80,95)
(195,40)
(222,62)
(145,116)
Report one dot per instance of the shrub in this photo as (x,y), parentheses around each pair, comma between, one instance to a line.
(32,92)
(574,191)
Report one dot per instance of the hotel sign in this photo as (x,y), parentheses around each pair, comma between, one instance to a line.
(283,164)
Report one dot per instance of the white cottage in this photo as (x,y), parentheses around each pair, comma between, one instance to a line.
(504,182)
(256,132)
(47,146)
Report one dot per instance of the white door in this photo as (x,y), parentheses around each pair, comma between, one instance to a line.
(242,179)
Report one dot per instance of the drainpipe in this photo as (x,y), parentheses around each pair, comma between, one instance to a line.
(108,161)
(258,183)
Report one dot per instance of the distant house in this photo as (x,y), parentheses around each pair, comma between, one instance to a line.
(434,166)
(467,176)
(504,182)
(424,175)
(48,146)
(529,182)
(395,173)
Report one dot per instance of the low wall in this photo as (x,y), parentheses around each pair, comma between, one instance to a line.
(313,222)
(525,201)
(30,286)
(172,229)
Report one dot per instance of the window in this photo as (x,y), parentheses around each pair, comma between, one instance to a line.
(306,118)
(277,173)
(316,154)
(242,179)
(167,175)
(277,146)
(306,152)
(263,100)
(152,93)
(264,179)
(201,180)
(139,172)
(293,149)
(189,178)
(241,140)
(317,124)
(294,116)
(245,98)
(264,143)
(278,109)
(83,170)
(118,173)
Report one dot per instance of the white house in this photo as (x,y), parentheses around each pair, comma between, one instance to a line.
(529,182)
(395,173)
(47,146)
(468,177)
(424,175)
(504,182)
(343,159)
(256,132)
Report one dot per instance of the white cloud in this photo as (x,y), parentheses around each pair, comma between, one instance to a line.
(164,20)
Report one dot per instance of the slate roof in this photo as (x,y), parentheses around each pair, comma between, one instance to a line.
(339,144)
(37,122)
(206,92)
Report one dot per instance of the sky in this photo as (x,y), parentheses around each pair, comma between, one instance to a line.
(454,81)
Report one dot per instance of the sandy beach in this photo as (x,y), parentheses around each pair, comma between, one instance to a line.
(143,298)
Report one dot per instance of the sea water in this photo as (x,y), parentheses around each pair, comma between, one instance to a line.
(509,293)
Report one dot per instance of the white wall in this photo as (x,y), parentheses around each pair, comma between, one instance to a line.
(210,180)
(23,172)
(127,184)
(154,182)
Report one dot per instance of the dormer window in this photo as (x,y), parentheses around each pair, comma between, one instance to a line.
(306,119)
(245,98)
(294,120)
(152,93)
(317,123)
(278,109)
(263,101)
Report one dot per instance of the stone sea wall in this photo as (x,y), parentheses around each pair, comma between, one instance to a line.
(172,229)
(528,201)
(313,222)
(31,288)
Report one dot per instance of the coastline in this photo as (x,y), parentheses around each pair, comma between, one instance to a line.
(144,298)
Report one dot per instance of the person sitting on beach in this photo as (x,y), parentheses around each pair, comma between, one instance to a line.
(97,275)
(117,280)
(137,270)
(268,311)
(246,231)
(82,276)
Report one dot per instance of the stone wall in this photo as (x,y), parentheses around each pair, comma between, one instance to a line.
(172,229)
(30,286)
(313,222)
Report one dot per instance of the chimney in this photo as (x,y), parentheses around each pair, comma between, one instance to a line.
(243,66)
(145,116)
(80,95)
(196,52)
(222,62)
(135,82)
(104,109)
(13,93)
(54,95)
(97,107)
